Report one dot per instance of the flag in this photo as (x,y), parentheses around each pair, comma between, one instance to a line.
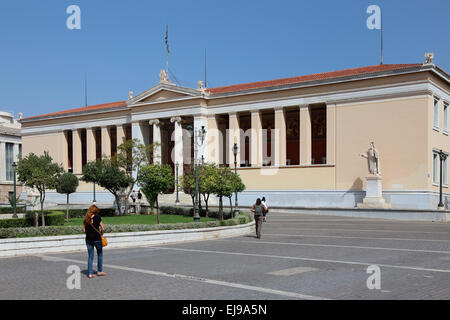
(167,38)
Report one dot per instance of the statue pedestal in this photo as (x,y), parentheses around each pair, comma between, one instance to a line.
(374,195)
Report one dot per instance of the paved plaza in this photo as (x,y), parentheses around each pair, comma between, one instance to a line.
(298,257)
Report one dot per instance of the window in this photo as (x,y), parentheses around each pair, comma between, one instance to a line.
(436,114)
(445,117)
(435,167)
(9,161)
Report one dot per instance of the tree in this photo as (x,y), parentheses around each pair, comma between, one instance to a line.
(41,173)
(153,180)
(236,186)
(67,184)
(188,184)
(223,186)
(131,156)
(207,175)
(107,175)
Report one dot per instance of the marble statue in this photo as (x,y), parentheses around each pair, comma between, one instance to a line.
(373,160)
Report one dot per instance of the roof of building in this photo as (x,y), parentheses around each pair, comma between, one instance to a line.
(312,77)
(347,74)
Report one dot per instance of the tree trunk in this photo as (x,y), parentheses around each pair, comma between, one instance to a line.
(36,219)
(42,213)
(67,209)
(220,209)
(119,206)
(206,205)
(231,207)
(157,210)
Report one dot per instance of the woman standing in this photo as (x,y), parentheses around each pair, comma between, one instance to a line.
(91,226)
(258,210)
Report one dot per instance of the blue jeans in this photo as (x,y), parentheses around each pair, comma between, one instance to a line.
(99,246)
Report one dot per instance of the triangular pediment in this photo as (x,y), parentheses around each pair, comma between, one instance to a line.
(164,92)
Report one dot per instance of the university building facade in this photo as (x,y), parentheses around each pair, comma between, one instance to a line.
(299,139)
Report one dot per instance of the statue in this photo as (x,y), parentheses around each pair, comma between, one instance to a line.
(163,77)
(373,160)
(130,95)
(429,56)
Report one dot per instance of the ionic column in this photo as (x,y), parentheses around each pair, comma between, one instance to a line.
(234,137)
(76,152)
(106,142)
(331,133)
(157,151)
(178,149)
(120,135)
(90,144)
(256,139)
(280,138)
(64,150)
(305,136)
(16,152)
(213,139)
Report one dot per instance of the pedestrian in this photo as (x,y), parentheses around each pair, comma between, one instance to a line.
(258,210)
(91,226)
(266,207)
(133,197)
(139,201)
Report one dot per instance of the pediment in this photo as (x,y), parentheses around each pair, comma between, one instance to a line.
(164,92)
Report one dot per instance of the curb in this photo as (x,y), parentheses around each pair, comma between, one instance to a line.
(58,244)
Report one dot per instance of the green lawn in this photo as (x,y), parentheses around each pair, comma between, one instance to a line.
(139,219)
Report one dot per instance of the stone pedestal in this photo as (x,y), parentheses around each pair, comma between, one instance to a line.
(374,195)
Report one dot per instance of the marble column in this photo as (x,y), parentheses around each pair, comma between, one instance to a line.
(279,138)
(120,135)
(177,137)
(234,136)
(76,152)
(256,139)
(331,133)
(157,143)
(305,136)
(90,144)
(64,150)
(106,142)
(213,139)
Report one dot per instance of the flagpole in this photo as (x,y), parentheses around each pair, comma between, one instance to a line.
(167,48)
(381,37)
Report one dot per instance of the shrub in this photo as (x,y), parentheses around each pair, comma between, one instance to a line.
(10,210)
(13,223)
(52,218)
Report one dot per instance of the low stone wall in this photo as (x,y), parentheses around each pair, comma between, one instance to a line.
(55,244)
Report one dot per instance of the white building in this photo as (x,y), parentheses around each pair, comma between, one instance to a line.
(10,150)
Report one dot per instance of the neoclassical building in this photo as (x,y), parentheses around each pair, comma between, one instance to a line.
(10,151)
(299,139)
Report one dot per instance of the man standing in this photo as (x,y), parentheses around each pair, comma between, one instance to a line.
(133,197)
(258,210)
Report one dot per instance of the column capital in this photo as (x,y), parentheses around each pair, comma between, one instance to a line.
(175,119)
(154,122)
(278,109)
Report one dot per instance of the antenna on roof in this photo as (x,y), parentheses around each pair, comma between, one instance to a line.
(167,48)
(85,89)
(381,14)
(205,70)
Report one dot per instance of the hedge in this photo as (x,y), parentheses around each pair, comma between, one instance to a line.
(189,212)
(52,218)
(21,232)
(10,210)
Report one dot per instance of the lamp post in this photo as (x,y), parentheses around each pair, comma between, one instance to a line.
(200,133)
(235,152)
(442,158)
(177,201)
(14,167)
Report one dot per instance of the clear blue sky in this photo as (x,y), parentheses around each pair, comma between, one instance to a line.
(121,44)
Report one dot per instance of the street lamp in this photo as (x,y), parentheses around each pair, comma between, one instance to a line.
(442,158)
(199,133)
(235,152)
(14,167)
(177,201)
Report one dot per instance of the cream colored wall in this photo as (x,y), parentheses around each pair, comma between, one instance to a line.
(399,131)
(288,178)
(437,139)
(54,143)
